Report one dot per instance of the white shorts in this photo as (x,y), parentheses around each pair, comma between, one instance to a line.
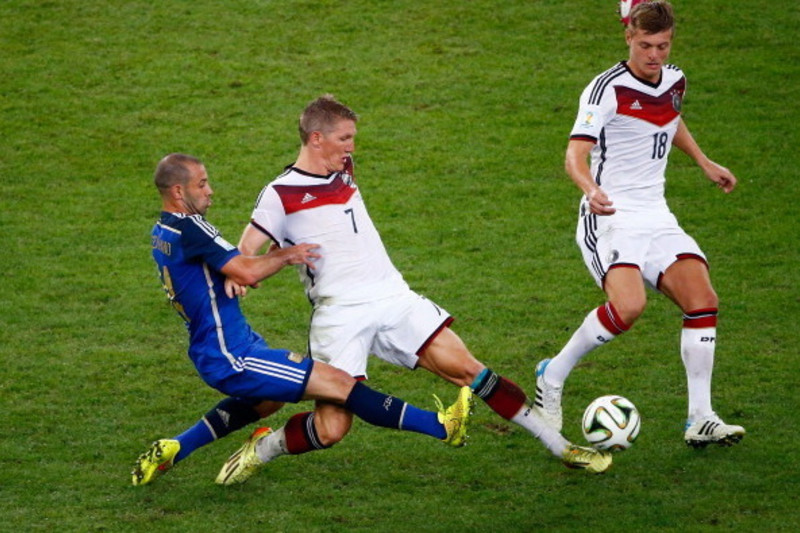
(652,244)
(395,329)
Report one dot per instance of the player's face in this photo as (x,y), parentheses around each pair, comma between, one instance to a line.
(196,194)
(648,53)
(337,144)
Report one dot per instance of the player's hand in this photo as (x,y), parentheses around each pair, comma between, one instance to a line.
(720,175)
(599,204)
(299,254)
(233,289)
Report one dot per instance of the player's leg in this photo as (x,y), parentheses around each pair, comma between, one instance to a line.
(229,415)
(447,356)
(612,256)
(687,283)
(328,384)
(626,301)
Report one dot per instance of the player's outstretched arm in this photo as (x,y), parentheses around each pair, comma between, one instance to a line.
(720,175)
(248,270)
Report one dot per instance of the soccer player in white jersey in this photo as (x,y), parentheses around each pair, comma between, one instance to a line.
(361,304)
(629,118)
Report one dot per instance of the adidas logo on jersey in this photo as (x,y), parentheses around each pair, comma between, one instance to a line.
(308,198)
(636,106)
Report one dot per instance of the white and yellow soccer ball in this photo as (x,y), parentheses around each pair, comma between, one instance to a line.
(611,423)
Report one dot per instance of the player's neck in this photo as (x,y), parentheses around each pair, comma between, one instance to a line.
(310,164)
(173,207)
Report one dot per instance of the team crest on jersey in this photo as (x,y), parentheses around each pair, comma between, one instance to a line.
(677,101)
(295,357)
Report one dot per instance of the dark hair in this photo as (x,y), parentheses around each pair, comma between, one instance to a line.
(174,168)
(322,115)
(652,17)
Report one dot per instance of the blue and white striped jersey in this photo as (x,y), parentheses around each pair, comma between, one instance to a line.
(190,252)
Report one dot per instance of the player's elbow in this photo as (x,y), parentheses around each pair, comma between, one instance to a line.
(245,278)
(241,272)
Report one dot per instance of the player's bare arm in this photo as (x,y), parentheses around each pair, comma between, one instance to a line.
(248,270)
(577,166)
(251,242)
(720,175)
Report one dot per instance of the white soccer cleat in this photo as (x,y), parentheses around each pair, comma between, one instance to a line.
(548,398)
(712,430)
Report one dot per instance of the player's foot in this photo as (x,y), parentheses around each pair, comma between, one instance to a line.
(585,458)
(155,461)
(712,430)
(548,398)
(244,462)
(456,417)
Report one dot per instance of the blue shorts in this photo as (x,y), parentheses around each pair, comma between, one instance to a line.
(267,374)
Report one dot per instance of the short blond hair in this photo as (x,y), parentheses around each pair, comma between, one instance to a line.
(322,115)
(652,17)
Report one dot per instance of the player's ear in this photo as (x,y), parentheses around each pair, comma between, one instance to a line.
(176,192)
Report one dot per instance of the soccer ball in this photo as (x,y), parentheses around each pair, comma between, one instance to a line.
(625,7)
(611,423)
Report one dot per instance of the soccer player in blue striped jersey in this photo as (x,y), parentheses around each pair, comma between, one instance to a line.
(193,261)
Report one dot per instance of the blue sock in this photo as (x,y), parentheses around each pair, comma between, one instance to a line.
(195,437)
(227,416)
(421,421)
(379,409)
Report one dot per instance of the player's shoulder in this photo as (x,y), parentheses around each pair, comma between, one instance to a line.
(672,73)
(673,68)
(597,88)
(293,176)
(196,225)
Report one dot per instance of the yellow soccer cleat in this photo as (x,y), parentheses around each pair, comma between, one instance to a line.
(155,461)
(456,417)
(584,458)
(244,462)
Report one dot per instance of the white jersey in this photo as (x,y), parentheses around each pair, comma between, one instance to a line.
(300,207)
(632,123)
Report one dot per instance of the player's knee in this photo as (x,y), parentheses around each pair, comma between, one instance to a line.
(709,298)
(630,309)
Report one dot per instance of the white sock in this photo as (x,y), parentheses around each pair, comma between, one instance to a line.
(586,338)
(272,446)
(697,352)
(552,439)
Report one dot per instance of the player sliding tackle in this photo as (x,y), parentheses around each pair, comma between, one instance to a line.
(361,304)
(193,260)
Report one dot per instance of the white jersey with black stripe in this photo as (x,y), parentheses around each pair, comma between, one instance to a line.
(632,123)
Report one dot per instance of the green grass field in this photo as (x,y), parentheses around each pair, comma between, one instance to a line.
(466,107)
